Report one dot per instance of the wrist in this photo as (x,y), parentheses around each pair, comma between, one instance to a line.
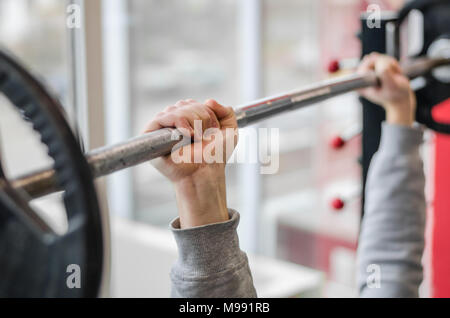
(400,114)
(201,198)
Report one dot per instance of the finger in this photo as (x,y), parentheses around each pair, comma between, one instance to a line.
(396,67)
(206,117)
(214,121)
(385,69)
(367,64)
(183,125)
(195,121)
(171,120)
(191,106)
(170,108)
(385,62)
(181,103)
(152,126)
(369,93)
(225,115)
(219,110)
(369,59)
(229,121)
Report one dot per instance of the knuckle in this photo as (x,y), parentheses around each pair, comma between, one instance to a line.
(170,108)
(205,114)
(180,103)
(181,113)
(210,113)
(161,114)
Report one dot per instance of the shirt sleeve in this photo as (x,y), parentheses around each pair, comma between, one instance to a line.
(210,262)
(392,234)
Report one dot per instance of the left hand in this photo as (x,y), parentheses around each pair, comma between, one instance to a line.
(200,186)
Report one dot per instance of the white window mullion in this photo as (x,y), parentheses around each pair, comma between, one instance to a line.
(251,30)
(87,70)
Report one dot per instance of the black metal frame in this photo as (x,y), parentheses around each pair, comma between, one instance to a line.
(373,40)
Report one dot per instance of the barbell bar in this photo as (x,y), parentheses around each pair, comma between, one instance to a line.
(110,159)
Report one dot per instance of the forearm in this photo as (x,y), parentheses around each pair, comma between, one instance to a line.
(210,262)
(392,233)
(201,199)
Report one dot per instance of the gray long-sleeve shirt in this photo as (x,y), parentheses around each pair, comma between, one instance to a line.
(211,264)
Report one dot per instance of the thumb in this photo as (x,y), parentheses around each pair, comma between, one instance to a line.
(225,115)
(386,71)
(219,110)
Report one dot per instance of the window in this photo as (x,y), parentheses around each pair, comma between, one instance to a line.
(178,50)
(192,49)
(307,229)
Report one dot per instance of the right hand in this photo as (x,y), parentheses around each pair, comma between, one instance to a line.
(395,94)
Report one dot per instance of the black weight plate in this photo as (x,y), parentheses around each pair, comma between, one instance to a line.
(436,25)
(436,15)
(34,263)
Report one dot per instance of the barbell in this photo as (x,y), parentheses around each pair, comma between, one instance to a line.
(110,159)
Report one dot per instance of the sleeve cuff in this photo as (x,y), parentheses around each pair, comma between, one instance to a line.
(207,249)
(396,139)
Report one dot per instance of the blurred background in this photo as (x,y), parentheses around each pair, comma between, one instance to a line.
(130,59)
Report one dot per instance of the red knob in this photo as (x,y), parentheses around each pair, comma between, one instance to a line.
(337,142)
(333,67)
(337,204)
